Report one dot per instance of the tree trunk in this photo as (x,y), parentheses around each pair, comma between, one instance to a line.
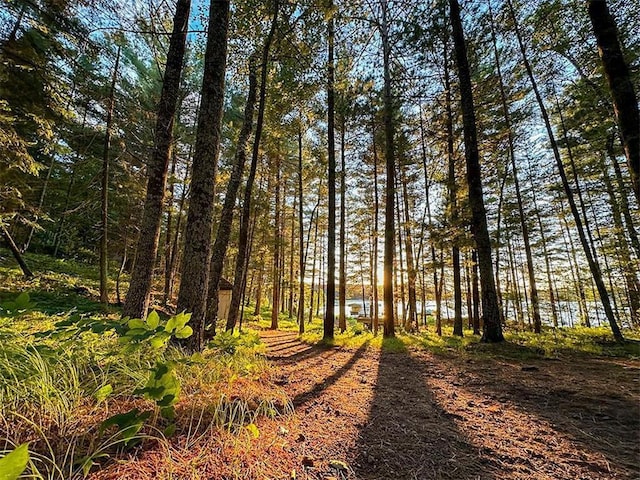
(389,153)
(622,195)
(432,243)
(537,322)
(219,250)
(192,296)
(16,253)
(492,328)
(246,203)
(342,290)
(104,258)
(313,266)
(453,199)
(411,270)
(575,267)
(616,71)
(476,294)
(301,251)
(592,261)
(292,245)
(543,240)
(169,231)
(626,263)
(399,271)
(329,316)
(175,251)
(275,298)
(138,296)
(376,214)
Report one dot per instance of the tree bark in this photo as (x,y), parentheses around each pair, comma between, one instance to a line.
(476,294)
(389,153)
(104,257)
(376,214)
(411,270)
(236,295)
(453,199)
(219,250)
(302,258)
(625,104)
(592,261)
(537,322)
(138,296)
(192,296)
(277,268)
(342,290)
(16,253)
(622,195)
(492,328)
(329,316)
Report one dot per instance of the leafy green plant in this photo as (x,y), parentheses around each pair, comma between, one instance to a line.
(163,385)
(13,464)
(228,343)
(21,304)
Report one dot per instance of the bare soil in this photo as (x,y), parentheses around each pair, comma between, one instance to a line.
(414,415)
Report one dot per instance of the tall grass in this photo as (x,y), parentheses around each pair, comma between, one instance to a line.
(49,385)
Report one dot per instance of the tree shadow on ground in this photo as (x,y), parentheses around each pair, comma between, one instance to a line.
(320,386)
(408,435)
(592,401)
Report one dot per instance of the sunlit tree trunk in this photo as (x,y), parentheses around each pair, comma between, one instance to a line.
(223,233)
(313,266)
(277,235)
(194,283)
(624,202)
(138,296)
(243,237)
(575,270)
(302,258)
(292,245)
(547,261)
(626,262)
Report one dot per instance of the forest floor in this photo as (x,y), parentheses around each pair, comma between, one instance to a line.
(370,413)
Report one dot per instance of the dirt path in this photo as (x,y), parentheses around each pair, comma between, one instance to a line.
(419,416)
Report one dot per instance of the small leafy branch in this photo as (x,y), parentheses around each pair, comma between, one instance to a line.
(163,385)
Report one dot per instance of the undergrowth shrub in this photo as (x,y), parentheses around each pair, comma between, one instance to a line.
(81,389)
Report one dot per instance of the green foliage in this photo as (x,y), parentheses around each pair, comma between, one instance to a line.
(152,331)
(14,463)
(21,304)
(228,343)
(128,425)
